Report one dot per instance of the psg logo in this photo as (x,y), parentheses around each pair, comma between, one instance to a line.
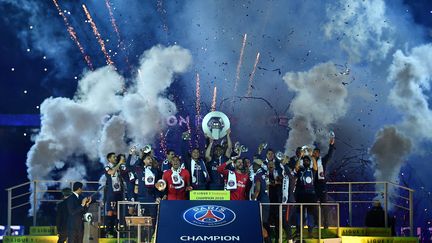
(231,183)
(175,179)
(116,186)
(209,216)
(150,179)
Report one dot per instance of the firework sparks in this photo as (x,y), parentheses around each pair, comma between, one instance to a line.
(116,30)
(240,62)
(73,35)
(213,106)
(198,108)
(163,144)
(251,77)
(198,95)
(98,36)
(161,10)
(190,132)
(112,19)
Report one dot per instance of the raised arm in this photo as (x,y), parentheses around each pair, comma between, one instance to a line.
(208,156)
(228,151)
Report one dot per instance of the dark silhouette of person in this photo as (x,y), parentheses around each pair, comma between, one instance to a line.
(375,216)
(62,216)
(76,207)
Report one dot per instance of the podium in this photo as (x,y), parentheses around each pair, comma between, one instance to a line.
(140,221)
(211,221)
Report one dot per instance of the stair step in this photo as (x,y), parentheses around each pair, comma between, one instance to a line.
(30,238)
(379,239)
(43,230)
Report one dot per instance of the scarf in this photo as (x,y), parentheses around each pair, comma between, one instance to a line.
(232,181)
(178,181)
(194,170)
(285,189)
(115,180)
(149,177)
(321,175)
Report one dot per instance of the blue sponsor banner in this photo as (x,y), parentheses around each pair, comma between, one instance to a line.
(209,221)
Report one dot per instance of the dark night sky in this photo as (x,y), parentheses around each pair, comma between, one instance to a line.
(39,60)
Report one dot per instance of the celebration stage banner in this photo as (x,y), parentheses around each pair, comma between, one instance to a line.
(209,221)
(213,195)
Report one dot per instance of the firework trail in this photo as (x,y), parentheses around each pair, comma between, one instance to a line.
(190,132)
(73,35)
(198,108)
(240,62)
(98,36)
(112,19)
(198,96)
(249,92)
(117,31)
(213,106)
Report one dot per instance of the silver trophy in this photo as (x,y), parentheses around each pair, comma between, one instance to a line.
(306,149)
(186,136)
(147,149)
(280,155)
(215,125)
(239,148)
(332,134)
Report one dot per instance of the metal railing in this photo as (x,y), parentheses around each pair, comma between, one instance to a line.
(388,194)
(15,198)
(391,193)
(140,207)
(301,214)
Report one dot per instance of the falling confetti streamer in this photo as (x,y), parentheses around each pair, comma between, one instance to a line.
(213,106)
(252,75)
(163,143)
(73,35)
(98,36)
(240,62)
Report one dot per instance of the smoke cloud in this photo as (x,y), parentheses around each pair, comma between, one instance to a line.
(361,27)
(320,101)
(78,126)
(411,76)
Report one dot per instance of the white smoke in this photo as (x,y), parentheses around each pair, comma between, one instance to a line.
(411,75)
(361,28)
(78,126)
(320,101)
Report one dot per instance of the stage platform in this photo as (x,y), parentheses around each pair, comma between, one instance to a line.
(48,234)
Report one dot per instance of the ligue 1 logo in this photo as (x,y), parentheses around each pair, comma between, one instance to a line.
(209,216)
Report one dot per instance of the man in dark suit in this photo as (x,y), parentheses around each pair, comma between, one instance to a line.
(62,216)
(76,206)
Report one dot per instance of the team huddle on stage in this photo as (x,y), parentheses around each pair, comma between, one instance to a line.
(266,178)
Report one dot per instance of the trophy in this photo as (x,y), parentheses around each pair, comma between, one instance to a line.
(215,125)
(306,149)
(239,148)
(147,149)
(186,136)
(160,185)
(332,134)
(280,155)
